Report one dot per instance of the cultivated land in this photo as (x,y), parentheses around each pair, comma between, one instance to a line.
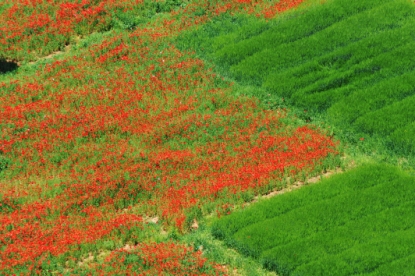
(130,130)
(352,62)
(359,222)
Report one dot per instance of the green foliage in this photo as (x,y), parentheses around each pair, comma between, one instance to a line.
(4,163)
(130,19)
(348,224)
(126,20)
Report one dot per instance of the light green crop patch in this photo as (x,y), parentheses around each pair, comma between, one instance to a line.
(342,60)
(356,222)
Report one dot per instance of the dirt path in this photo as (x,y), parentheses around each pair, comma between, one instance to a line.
(52,55)
(297,185)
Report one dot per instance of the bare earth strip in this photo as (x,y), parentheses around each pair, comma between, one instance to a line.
(298,184)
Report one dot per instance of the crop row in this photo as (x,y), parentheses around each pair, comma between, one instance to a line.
(349,61)
(281,30)
(357,222)
(278,57)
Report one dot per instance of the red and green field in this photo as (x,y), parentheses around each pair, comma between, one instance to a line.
(127,127)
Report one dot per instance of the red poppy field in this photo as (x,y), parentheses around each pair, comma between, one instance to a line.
(124,127)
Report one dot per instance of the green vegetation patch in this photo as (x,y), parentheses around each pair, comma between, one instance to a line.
(346,60)
(359,222)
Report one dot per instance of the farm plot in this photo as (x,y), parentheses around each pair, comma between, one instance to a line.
(124,127)
(349,61)
(360,222)
(32,29)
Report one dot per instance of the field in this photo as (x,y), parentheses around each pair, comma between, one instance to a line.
(344,225)
(133,134)
(352,62)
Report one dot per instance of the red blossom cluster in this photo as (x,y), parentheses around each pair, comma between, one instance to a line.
(129,127)
(158,259)
(281,6)
(30,239)
(31,29)
(35,28)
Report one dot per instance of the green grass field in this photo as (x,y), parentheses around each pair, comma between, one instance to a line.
(352,62)
(360,222)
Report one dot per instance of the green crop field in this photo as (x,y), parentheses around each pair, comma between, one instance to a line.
(351,61)
(360,222)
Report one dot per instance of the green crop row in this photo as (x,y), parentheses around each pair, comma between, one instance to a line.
(370,72)
(341,60)
(346,60)
(285,31)
(278,57)
(356,65)
(374,97)
(388,118)
(357,222)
